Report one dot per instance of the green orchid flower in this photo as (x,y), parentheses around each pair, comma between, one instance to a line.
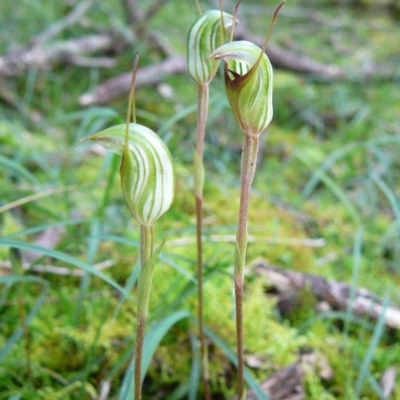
(147,177)
(248,82)
(205,35)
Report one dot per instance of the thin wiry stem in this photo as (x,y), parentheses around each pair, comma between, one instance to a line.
(202,111)
(248,167)
(144,288)
(17,266)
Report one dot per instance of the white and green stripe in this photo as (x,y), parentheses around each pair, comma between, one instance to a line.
(249,89)
(204,37)
(147,177)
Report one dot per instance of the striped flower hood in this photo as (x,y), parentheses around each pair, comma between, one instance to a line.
(205,35)
(147,177)
(248,82)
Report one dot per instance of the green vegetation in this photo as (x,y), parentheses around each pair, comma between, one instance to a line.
(329,169)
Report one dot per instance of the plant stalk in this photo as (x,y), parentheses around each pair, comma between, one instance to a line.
(17,268)
(202,111)
(248,167)
(144,288)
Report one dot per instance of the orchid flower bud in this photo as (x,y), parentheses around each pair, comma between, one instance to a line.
(248,83)
(205,35)
(146,171)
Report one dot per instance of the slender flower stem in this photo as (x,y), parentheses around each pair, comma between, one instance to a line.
(16,263)
(144,288)
(202,111)
(248,167)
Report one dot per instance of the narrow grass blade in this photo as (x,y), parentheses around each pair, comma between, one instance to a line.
(354,281)
(66,258)
(41,228)
(19,170)
(15,397)
(342,152)
(93,113)
(111,163)
(90,257)
(16,336)
(164,309)
(376,387)
(334,188)
(128,286)
(177,117)
(151,342)
(188,290)
(374,343)
(320,171)
(334,316)
(389,195)
(162,257)
(195,370)
(180,392)
(232,357)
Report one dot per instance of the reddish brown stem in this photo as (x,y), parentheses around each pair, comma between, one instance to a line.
(202,110)
(239,334)
(248,167)
(203,347)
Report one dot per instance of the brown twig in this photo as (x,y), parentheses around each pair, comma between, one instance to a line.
(338,295)
(138,20)
(287,383)
(133,12)
(278,241)
(136,15)
(280,58)
(76,51)
(303,65)
(40,57)
(154,8)
(147,76)
(283,59)
(51,269)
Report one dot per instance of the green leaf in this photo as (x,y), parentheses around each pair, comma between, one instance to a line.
(19,170)
(151,342)
(247,376)
(16,336)
(374,343)
(195,372)
(63,257)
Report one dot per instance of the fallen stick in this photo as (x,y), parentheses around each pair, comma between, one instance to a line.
(77,52)
(280,59)
(278,241)
(46,56)
(338,295)
(146,76)
(51,269)
(287,383)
